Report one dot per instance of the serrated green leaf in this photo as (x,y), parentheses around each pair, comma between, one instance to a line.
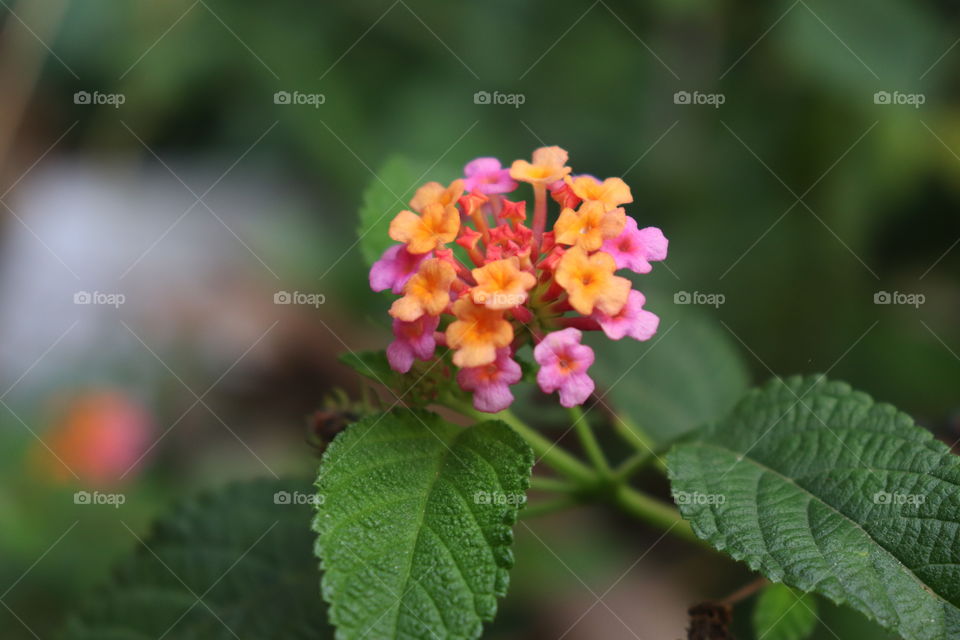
(410,544)
(685,376)
(782,613)
(245,551)
(817,486)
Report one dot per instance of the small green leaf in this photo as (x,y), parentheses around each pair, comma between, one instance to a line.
(782,613)
(420,386)
(245,551)
(414,524)
(372,365)
(817,486)
(383,199)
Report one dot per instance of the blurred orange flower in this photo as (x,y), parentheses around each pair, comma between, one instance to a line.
(100,437)
(612,192)
(549,165)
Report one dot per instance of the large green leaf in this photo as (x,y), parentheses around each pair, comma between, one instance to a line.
(688,374)
(782,613)
(246,551)
(415,524)
(819,487)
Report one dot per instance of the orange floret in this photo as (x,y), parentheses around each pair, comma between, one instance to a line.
(477,333)
(427,292)
(548,166)
(612,192)
(436,193)
(501,284)
(437,225)
(589,281)
(590,226)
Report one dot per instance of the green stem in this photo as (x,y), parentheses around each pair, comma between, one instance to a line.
(635,436)
(547,507)
(631,501)
(552,455)
(654,512)
(589,442)
(542,483)
(631,465)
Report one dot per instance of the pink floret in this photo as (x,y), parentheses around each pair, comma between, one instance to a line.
(563,366)
(633,320)
(490,384)
(487,176)
(414,340)
(635,249)
(394,268)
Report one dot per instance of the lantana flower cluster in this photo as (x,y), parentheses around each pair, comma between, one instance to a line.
(479,277)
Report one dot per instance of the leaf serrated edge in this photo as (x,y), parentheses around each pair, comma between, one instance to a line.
(840,390)
(500,549)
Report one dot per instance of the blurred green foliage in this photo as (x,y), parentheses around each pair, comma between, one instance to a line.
(878,181)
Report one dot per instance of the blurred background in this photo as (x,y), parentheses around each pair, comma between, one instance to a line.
(167,169)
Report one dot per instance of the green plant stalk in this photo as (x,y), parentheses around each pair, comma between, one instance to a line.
(655,512)
(631,501)
(589,442)
(636,437)
(557,458)
(631,465)
(543,483)
(547,507)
